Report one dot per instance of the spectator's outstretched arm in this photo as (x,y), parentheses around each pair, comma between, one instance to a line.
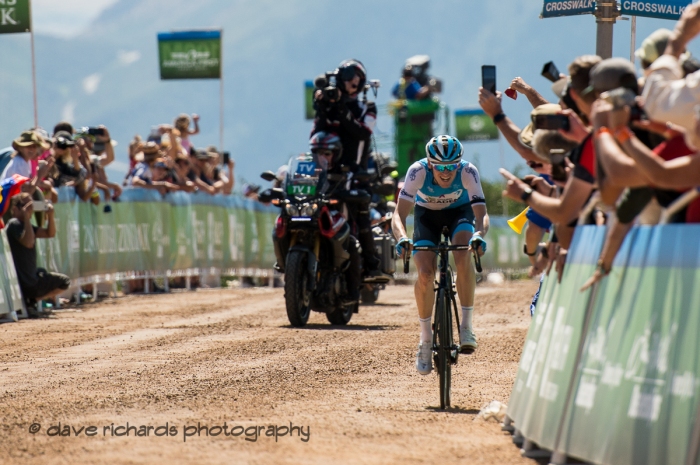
(687,27)
(41,172)
(50,229)
(195,120)
(203,186)
(679,173)
(613,241)
(230,182)
(27,238)
(667,96)
(108,157)
(534,97)
(562,210)
(620,170)
(491,104)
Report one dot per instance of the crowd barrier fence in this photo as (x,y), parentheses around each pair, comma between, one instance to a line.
(611,375)
(147,236)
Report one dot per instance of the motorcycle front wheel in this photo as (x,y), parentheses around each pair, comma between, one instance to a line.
(296,290)
(369,294)
(341,315)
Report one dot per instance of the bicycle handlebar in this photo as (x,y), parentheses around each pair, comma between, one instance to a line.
(431,248)
(477,261)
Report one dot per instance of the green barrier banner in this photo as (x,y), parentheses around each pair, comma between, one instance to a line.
(632,398)
(640,369)
(11,298)
(190,55)
(146,232)
(14,16)
(474,125)
(543,377)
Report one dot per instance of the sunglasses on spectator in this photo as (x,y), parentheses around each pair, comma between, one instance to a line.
(446,168)
(534,165)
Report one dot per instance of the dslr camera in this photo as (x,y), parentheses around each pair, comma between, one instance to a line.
(621,97)
(89,132)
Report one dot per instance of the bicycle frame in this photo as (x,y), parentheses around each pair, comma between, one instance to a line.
(445,352)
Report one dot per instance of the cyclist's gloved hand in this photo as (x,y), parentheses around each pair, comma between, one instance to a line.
(403,243)
(477,242)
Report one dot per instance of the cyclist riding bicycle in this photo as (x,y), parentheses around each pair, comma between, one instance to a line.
(447,192)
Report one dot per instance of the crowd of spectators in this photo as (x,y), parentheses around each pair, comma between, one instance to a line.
(612,148)
(39,164)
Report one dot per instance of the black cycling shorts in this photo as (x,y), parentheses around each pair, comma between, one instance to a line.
(428,224)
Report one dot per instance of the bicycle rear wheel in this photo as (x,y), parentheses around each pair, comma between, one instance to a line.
(443,332)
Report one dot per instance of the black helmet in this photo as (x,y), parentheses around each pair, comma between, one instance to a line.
(348,69)
(327,141)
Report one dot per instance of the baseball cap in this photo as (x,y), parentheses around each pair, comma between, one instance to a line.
(653,46)
(559,87)
(525,136)
(64,138)
(610,74)
(202,154)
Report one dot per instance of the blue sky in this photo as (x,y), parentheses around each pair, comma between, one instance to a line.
(264,35)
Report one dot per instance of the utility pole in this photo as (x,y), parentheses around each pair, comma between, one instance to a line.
(606,13)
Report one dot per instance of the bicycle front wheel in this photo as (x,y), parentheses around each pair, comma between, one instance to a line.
(443,332)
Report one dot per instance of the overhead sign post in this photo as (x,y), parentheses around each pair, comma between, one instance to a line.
(194,55)
(15,17)
(607,12)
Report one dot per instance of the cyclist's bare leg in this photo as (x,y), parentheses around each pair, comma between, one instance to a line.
(466,275)
(426,264)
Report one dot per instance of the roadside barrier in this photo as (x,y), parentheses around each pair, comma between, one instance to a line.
(612,375)
(148,236)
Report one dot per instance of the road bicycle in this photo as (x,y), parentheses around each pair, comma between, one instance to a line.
(445,351)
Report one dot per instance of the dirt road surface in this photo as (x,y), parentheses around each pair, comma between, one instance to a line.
(229,358)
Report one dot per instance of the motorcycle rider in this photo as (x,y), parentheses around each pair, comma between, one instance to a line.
(329,150)
(340,111)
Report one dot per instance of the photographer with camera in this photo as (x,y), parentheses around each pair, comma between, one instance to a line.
(339,110)
(36,283)
(408,87)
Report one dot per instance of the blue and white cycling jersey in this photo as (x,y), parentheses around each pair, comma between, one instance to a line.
(420,187)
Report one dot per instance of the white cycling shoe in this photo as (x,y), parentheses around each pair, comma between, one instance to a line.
(467,341)
(424,358)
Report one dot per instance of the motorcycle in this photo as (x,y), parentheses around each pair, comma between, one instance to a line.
(312,240)
(380,185)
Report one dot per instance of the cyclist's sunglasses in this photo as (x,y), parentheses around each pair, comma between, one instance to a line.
(446,168)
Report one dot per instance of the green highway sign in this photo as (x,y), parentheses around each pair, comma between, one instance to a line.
(190,55)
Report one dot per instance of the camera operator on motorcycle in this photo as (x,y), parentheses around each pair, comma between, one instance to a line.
(339,110)
(446,191)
